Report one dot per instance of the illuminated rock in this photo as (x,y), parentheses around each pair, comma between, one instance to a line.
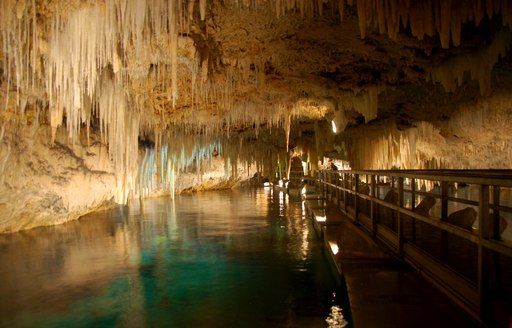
(464,218)
(408,85)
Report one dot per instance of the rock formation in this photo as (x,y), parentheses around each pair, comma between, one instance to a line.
(104,101)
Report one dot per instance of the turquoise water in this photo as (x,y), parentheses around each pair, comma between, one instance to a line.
(217,259)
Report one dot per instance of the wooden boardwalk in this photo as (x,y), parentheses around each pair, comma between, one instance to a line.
(382,291)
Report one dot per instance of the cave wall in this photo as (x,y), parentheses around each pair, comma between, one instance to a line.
(45,182)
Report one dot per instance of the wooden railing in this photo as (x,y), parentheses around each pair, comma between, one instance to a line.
(452,226)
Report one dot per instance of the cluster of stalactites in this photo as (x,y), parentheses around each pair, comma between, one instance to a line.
(428,17)
(88,51)
(479,65)
(21,48)
(365,102)
(162,163)
(393,148)
(123,37)
(105,37)
(173,154)
(424,17)
(231,117)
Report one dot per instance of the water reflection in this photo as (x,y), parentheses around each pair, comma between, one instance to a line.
(217,259)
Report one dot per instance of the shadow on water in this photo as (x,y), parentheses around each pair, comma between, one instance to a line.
(219,259)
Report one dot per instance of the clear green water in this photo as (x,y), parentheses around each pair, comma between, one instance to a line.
(218,259)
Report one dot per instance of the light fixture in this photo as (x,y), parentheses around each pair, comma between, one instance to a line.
(320,218)
(333,126)
(334,247)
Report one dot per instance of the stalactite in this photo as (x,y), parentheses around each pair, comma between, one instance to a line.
(173,13)
(388,148)
(366,102)
(428,17)
(20,48)
(287,129)
(479,65)
(98,56)
(202,9)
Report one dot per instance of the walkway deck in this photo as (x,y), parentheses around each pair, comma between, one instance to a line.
(383,292)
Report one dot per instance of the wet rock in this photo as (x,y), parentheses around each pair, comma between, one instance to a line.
(464,218)
(425,205)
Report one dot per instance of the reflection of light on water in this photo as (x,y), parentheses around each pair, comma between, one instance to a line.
(262,201)
(336,318)
(281,203)
(304,246)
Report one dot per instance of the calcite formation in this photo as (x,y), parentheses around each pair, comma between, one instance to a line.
(167,89)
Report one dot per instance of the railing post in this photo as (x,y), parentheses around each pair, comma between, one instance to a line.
(334,188)
(345,183)
(340,185)
(495,231)
(356,207)
(483,253)
(373,217)
(444,216)
(444,200)
(324,180)
(393,222)
(327,187)
(495,281)
(337,183)
(413,206)
(400,232)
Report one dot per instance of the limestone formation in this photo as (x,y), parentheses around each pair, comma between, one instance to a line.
(172,89)
(425,205)
(464,218)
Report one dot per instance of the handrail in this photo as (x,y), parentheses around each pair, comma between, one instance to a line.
(344,187)
(490,177)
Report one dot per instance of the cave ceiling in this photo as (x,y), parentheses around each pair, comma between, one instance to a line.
(216,66)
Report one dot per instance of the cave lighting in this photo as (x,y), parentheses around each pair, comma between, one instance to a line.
(283,184)
(320,218)
(333,126)
(334,247)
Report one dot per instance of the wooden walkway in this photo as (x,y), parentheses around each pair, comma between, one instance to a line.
(382,291)
(453,227)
